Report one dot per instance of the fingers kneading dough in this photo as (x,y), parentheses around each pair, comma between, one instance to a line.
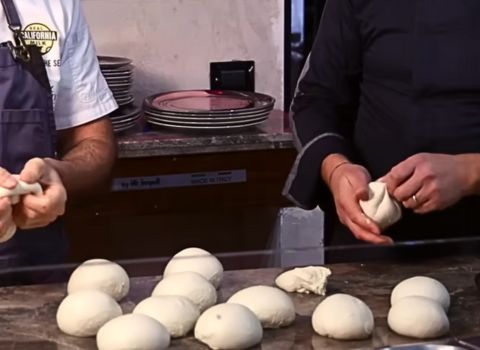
(380,207)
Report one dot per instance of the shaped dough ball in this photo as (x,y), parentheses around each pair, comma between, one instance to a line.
(133,331)
(199,261)
(418,317)
(380,207)
(176,313)
(273,307)
(82,314)
(229,326)
(421,286)
(100,274)
(309,279)
(344,317)
(189,285)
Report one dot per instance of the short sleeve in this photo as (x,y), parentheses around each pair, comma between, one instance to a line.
(83,94)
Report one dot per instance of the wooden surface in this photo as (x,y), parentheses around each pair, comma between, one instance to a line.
(159,222)
(28,313)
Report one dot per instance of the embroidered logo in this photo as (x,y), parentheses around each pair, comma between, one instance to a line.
(38,34)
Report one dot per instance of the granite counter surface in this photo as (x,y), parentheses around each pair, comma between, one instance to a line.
(27,317)
(150,141)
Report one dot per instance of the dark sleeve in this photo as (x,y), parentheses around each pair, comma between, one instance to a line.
(325,103)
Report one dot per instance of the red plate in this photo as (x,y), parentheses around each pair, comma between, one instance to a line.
(207,101)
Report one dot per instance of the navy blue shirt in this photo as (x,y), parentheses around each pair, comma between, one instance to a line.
(387,79)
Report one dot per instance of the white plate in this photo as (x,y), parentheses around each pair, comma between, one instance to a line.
(218,118)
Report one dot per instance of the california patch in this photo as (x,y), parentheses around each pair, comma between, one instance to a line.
(38,34)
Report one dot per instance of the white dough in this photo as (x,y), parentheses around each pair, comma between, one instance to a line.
(176,313)
(100,274)
(190,285)
(229,326)
(272,306)
(342,316)
(380,207)
(421,286)
(418,317)
(310,279)
(82,314)
(21,189)
(199,261)
(133,331)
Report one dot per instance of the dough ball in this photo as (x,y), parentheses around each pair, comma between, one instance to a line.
(344,317)
(82,314)
(310,279)
(272,306)
(380,207)
(100,274)
(190,285)
(133,331)
(418,317)
(176,313)
(421,286)
(229,326)
(199,261)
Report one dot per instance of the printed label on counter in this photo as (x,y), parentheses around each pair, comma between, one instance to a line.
(179,180)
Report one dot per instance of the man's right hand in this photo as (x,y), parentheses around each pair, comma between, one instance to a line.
(6,221)
(348,183)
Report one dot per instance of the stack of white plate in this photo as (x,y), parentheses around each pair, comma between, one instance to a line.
(125,118)
(118,72)
(207,109)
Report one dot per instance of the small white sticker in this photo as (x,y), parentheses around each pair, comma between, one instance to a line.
(179,180)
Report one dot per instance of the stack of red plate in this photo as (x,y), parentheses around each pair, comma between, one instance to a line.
(118,72)
(207,109)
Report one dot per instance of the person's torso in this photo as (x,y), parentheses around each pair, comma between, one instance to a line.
(421,79)
(45,24)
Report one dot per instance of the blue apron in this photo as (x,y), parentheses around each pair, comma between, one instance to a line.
(27,128)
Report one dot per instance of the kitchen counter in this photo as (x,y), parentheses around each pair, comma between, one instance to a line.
(27,318)
(149,141)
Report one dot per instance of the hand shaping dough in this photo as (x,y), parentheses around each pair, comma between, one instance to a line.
(304,280)
(83,313)
(199,261)
(344,317)
(133,331)
(421,286)
(176,313)
(418,317)
(100,274)
(22,188)
(272,306)
(190,285)
(380,207)
(229,326)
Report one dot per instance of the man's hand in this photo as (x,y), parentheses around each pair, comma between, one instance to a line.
(40,210)
(429,182)
(349,184)
(6,221)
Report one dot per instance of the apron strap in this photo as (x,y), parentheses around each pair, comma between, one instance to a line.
(12,15)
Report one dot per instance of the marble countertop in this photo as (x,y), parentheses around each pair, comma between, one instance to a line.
(27,317)
(149,141)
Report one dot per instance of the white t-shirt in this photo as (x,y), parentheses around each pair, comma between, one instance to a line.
(59,29)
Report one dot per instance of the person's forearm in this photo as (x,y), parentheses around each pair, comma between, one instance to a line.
(86,167)
(470,167)
(330,164)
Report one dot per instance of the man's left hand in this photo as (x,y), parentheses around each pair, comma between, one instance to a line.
(40,210)
(429,182)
